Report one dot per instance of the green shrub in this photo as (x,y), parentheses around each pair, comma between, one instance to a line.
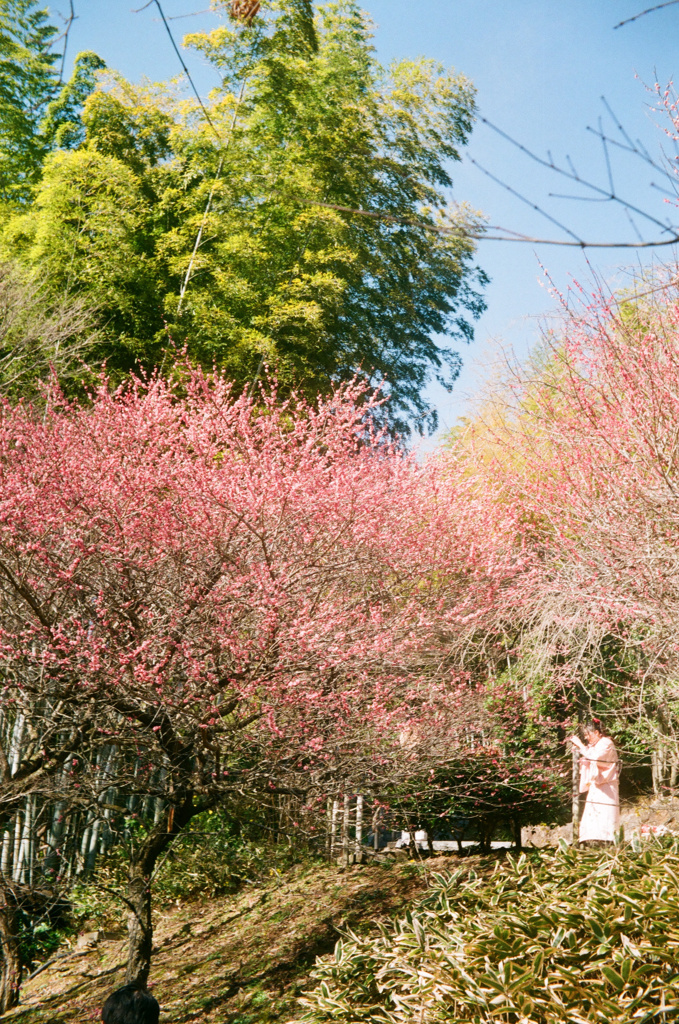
(217,854)
(568,937)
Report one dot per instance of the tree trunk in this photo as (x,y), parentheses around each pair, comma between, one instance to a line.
(139,925)
(140,878)
(412,845)
(10,962)
(486,833)
(575,795)
(663,755)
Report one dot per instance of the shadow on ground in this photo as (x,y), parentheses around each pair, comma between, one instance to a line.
(240,959)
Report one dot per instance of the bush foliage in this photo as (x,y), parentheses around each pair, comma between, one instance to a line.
(566,937)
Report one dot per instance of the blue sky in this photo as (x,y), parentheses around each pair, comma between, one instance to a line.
(540,68)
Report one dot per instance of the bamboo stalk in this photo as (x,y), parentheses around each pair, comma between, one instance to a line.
(359,825)
(333,828)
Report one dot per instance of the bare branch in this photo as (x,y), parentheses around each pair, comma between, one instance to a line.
(649,10)
(183,64)
(192,14)
(528,202)
(482,232)
(68,24)
(40,337)
(573,175)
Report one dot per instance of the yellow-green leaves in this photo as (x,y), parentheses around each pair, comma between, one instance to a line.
(249,216)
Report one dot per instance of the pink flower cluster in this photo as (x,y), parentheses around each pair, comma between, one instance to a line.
(186,557)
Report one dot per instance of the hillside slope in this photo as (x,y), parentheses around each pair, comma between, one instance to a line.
(239,959)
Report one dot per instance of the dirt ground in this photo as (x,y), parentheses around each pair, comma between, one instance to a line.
(239,959)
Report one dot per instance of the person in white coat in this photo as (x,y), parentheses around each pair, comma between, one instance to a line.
(599,777)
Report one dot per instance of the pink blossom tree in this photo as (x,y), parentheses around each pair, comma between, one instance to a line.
(586,451)
(215,588)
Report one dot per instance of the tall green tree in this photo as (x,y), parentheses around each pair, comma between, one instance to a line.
(345,292)
(28,83)
(37,111)
(231,230)
(63,126)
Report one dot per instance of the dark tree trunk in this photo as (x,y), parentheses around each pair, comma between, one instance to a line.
(139,925)
(412,845)
(10,962)
(142,865)
(486,833)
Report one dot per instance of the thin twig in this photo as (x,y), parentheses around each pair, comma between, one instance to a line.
(482,233)
(193,14)
(68,24)
(649,10)
(573,175)
(183,63)
(528,202)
